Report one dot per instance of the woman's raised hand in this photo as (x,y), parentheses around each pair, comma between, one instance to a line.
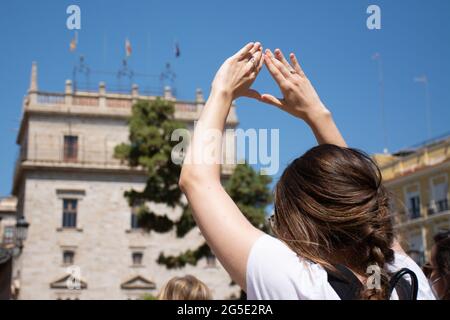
(238,72)
(299,96)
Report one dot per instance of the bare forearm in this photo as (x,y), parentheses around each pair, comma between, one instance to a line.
(204,154)
(324,128)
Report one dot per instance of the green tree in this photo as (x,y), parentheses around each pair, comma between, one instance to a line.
(151,125)
(251,193)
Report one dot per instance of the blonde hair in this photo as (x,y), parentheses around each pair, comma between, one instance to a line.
(185,288)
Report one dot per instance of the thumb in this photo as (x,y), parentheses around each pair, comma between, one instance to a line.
(270,99)
(251,93)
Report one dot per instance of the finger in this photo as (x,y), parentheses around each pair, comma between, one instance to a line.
(270,99)
(251,93)
(253,63)
(255,48)
(242,53)
(280,66)
(276,74)
(261,62)
(296,65)
(280,57)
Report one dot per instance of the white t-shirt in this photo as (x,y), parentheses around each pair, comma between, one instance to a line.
(275,272)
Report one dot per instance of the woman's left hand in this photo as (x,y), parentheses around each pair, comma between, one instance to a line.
(238,72)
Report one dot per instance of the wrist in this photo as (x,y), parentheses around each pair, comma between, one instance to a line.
(222,94)
(318,114)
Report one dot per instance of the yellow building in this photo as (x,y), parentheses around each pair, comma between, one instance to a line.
(418,180)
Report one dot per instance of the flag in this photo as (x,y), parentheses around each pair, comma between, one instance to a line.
(127,48)
(177,50)
(74,42)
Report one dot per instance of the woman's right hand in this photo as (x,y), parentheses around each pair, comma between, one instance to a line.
(299,96)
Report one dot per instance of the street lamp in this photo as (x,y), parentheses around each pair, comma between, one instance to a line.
(21,231)
(7,255)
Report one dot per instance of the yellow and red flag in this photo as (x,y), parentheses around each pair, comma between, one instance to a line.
(74,42)
(127,48)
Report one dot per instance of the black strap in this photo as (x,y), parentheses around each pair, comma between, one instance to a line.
(405,290)
(345,283)
(348,286)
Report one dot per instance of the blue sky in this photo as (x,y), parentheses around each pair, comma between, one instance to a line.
(330,38)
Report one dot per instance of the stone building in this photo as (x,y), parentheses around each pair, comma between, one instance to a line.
(418,180)
(71,190)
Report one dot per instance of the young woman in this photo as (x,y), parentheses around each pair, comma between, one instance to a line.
(330,206)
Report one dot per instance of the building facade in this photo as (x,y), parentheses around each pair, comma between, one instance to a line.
(418,180)
(83,239)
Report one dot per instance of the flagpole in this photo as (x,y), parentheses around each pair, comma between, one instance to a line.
(424,80)
(147,53)
(377,57)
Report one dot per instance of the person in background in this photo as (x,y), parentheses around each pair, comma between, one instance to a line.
(185,288)
(439,267)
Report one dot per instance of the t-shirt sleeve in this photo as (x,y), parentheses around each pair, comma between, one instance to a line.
(275,272)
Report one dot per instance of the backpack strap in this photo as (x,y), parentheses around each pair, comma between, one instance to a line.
(348,286)
(405,290)
(344,282)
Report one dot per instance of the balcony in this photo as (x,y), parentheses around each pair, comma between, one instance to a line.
(87,102)
(438,206)
(408,218)
(103,103)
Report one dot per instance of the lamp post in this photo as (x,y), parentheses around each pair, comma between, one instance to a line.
(21,232)
(20,236)
(7,255)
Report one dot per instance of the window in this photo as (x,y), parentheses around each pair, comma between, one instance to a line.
(8,234)
(135,214)
(70,213)
(439,193)
(70,148)
(413,202)
(134,220)
(137,258)
(68,257)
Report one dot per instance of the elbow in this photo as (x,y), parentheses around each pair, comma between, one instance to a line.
(194,179)
(183,181)
(188,180)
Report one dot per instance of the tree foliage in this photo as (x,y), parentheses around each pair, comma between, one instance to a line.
(249,190)
(151,125)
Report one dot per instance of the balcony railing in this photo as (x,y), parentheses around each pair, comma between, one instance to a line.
(85,101)
(45,98)
(50,98)
(414,213)
(438,206)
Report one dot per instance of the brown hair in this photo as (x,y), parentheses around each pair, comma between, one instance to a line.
(442,261)
(185,288)
(331,208)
